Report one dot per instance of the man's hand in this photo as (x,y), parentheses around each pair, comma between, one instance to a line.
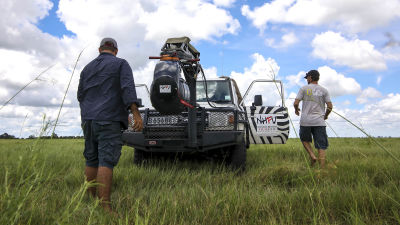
(297,111)
(138,123)
(296,106)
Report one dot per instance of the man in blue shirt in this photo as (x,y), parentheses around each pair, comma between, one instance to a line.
(106,92)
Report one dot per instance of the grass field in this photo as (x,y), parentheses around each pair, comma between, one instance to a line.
(42,182)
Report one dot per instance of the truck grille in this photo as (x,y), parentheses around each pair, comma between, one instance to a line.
(174,126)
(165,132)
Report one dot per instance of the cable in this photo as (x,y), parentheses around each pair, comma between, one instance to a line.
(206,90)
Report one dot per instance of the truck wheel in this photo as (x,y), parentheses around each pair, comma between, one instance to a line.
(139,157)
(237,159)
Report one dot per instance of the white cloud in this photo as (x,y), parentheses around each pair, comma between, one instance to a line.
(358,54)
(270,12)
(391,53)
(376,118)
(188,18)
(18,20)
(296,80)
(140,27)
(354,16)
(378,80)
(390,105)
(266,69)
(210,72)
(286,40)
(336,83)
(367,94)
(13,120)
(261,69)
(224,3)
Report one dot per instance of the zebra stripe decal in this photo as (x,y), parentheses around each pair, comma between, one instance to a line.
(277,120)
(252,139)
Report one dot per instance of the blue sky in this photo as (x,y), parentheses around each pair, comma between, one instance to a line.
(51,23)
(354,44)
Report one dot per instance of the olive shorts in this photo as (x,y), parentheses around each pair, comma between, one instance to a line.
(319,135)
(103,143)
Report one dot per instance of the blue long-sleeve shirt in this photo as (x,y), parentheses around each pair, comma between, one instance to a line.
(106,89)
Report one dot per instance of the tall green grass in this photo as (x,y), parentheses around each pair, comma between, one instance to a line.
(42,182)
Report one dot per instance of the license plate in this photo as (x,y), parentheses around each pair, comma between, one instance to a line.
(165,88)
(160,120)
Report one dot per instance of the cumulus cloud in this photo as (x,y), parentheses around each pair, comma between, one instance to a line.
(376,115)
(14,122)
(377,118)
(210,72)
(349,15)
(286,40)
(262,68)
(140,27)
(389,105)
(190,18)
(336,83)
(367,94)
(358,54)
(18,20)
(224,3)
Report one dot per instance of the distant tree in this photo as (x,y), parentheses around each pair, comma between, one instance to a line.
(32,136)
(7,136)
(54,136)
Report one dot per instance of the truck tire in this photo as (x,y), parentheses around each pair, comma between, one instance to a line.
(237,158)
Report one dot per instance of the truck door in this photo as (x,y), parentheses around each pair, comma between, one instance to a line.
(268,123)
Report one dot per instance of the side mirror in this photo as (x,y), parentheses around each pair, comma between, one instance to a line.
(257,100)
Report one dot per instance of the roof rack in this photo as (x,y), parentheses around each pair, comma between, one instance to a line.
(181,48)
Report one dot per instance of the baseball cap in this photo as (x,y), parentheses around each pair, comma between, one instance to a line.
(313,73)
(109,42)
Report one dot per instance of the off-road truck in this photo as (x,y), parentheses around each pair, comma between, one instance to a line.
(199,115)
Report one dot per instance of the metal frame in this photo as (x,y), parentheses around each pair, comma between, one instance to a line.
(143,85)
(266,81)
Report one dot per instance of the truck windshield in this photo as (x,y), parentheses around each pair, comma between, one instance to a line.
(218,91)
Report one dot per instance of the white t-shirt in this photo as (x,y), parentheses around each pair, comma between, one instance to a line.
(314,98)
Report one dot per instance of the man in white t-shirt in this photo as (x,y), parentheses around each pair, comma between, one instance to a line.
(313,116)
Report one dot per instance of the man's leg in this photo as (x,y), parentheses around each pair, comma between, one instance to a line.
(321,157)
(321,143)
(308,148)
(110,145)
(306,139)
(91,155)
(104,178)
(91,174)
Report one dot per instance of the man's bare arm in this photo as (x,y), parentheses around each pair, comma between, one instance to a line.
(328,110)
(296,106)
